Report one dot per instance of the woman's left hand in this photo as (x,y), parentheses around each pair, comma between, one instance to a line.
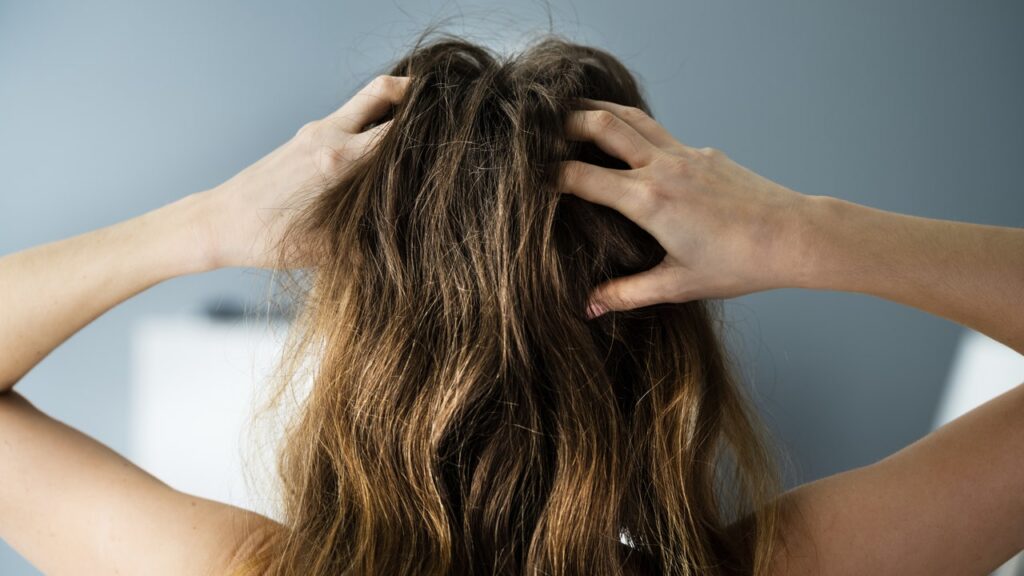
(248,213)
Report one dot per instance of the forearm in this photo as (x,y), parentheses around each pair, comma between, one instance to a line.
(49,292)
(971,274)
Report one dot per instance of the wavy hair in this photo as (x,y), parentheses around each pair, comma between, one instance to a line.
(465,417)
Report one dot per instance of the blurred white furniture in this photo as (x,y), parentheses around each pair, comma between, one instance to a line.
(194,386)
(982,369)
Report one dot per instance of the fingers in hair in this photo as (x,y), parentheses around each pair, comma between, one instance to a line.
(611,134)
(636,117)
(646,288)
(621,190)
(371,103)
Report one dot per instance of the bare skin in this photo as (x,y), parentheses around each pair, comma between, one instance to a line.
(950,503)
(947,504)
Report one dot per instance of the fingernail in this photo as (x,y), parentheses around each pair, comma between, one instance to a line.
(594,310)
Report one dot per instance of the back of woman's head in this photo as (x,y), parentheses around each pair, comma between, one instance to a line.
(465,416)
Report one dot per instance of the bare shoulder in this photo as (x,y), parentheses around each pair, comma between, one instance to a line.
(950,503)
(71,505)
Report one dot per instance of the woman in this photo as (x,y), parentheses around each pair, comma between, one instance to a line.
(511,273)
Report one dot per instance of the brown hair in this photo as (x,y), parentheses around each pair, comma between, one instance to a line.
(465,416)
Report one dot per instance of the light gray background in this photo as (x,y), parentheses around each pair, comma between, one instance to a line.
(108,110)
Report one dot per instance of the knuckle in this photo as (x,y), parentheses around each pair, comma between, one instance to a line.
(333,158)
(384,84)
(634,113)
(603,119)
(648,190)
(653,194)
(612,297)
(649,197)
(680,166)
(709,152)
(308,128)
(623,299)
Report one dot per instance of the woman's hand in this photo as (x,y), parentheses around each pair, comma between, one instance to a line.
(726,230)
(249,212)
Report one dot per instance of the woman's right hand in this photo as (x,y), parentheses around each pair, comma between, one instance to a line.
(726,230)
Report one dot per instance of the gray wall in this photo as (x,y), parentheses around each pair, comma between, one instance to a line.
(110,110)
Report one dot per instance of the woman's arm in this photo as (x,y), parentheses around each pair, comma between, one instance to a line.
(972,274)
(950,503)
(51,291)
(71,505)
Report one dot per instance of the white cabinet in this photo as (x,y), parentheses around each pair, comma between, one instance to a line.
(195,382)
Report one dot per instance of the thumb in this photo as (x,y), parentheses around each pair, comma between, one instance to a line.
(635,291)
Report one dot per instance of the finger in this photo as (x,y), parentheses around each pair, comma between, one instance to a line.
(368,138)
(370,103)
(611,134)
(645,288)
(616,189)
(640,120)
